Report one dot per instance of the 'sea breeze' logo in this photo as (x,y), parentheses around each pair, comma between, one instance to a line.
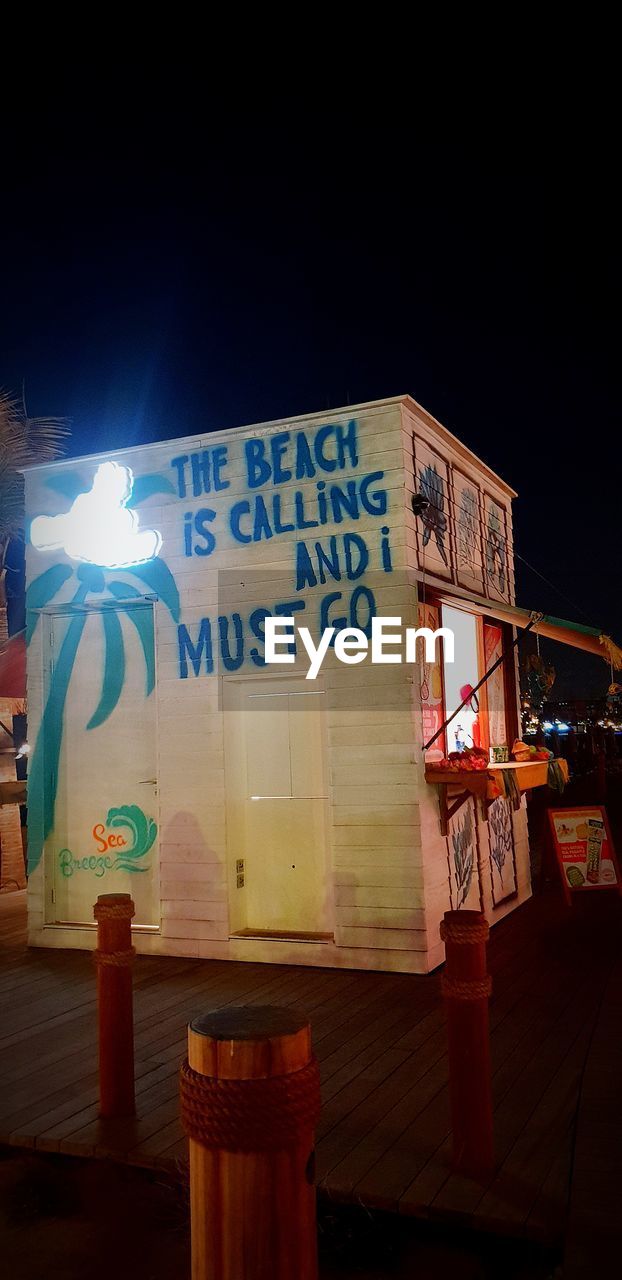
(121,843)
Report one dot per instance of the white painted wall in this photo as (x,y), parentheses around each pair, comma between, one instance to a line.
(387,873)
(437,848)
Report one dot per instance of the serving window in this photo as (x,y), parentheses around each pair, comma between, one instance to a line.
(487,719)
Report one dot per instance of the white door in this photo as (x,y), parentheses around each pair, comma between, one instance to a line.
(104,836)
(276,807)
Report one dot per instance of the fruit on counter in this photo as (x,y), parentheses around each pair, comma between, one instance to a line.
(461,766)
(540,753)
(472,759)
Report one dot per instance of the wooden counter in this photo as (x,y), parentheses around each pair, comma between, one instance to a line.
(465,783)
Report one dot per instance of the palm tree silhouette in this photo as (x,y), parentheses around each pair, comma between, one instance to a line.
(23,440)
(104,583)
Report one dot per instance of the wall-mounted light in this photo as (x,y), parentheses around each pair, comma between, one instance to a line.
(98,528)
(419,503)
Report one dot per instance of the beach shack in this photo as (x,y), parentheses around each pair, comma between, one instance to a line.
(251,812)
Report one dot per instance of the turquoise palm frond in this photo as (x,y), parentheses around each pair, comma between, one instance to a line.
(68,483)
(92,575)
(114,670)
(142,619)
(158,577)
(41,591)
(145,486)
(43,771)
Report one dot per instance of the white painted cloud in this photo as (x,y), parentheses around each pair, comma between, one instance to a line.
(98,528)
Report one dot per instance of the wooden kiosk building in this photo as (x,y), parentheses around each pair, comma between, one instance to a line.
(254,814)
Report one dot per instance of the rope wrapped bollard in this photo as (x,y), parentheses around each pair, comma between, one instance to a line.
(250,1101)
(249,1115)
(466,987)
(114,957)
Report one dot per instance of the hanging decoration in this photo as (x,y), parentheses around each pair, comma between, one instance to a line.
(539,678)
(613,652)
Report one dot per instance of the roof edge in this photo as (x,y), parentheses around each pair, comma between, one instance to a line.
(199,439)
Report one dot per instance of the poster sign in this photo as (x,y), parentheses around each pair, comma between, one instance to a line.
(467,520)
(432,709)
(434,542)
(584,849)
(495,687)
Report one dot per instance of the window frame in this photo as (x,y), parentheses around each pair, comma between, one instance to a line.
(437,600)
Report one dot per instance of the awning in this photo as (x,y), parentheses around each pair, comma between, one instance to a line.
(13,667)
(590,639)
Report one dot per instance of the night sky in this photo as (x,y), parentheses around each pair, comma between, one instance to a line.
(165,274)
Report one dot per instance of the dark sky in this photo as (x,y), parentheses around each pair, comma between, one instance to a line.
(169,270)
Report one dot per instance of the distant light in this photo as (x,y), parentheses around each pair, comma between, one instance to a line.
(98,528)
(563,728)
(548,724)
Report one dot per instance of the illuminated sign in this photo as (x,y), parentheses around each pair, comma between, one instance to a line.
(99,528)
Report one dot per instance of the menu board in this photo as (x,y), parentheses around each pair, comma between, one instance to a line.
(584,849)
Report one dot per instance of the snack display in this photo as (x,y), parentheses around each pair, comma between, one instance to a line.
(596,835)
(467,761)
(584,849)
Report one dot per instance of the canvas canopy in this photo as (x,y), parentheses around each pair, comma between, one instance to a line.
(590,639)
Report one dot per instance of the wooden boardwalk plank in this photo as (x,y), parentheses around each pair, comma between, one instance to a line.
(515,1035)
(383,1137)
(464,1196)
(398,1164)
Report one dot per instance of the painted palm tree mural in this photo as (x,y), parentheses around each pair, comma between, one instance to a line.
(501,836)
(116,562)
(496,552)
(468,529)
(464,855)
(434,518)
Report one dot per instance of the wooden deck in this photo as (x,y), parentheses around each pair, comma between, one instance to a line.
(383,1138)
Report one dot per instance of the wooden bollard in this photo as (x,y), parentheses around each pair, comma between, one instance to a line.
(114,957)
(250,1101)
(466,987)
